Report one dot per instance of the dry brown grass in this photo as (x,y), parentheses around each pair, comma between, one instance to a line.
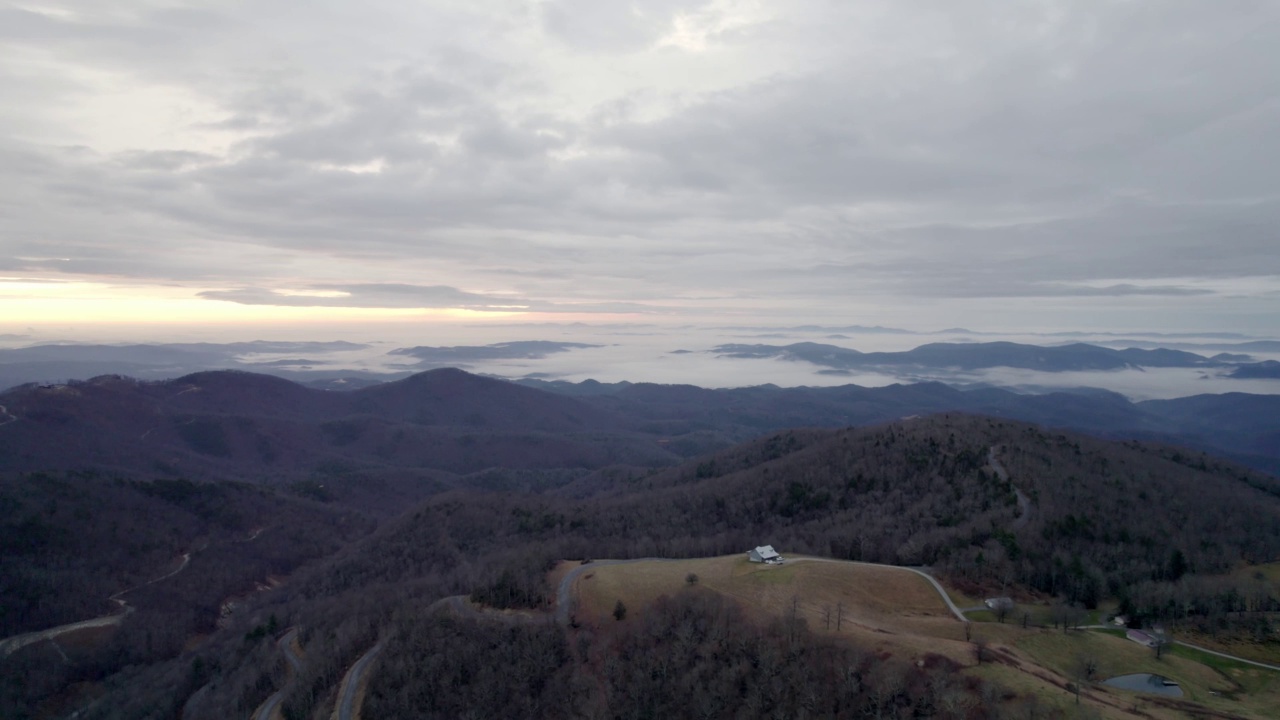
(1269,572)
(897,611)
(877,606)
(639,584)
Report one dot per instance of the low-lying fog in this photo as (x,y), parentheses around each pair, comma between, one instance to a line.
(662,354)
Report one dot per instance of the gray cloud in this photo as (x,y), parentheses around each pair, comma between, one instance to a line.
(1114,291)
(561,153)
(366,296)
(393,296)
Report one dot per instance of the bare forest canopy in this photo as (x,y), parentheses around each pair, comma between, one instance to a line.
(350,515)
(264,429)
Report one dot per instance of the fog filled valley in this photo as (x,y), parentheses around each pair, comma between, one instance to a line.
(229,544)
(1138,365)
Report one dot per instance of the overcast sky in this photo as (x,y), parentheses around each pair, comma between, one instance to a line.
(1032,165)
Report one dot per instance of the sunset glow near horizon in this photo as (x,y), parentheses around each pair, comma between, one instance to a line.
(972,164)
(23,302)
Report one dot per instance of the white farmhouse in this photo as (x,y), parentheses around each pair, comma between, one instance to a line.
(764,554)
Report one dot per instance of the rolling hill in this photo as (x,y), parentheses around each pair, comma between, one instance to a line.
(267,492)
(1106,522)
(260,428)
(1238,425)
(975,356)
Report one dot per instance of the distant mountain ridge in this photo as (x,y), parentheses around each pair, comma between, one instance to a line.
(1265,370)
(264,428)
(60,362)
(313,363)
(1243,426)
(261,428)
(428,356)
(977,356)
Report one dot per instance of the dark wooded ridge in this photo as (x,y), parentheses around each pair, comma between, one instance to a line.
(1155,527)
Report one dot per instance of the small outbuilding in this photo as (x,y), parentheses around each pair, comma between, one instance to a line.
(999,603)
(1142,638)
(764,554)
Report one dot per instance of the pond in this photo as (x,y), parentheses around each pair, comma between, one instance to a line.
(1146,683)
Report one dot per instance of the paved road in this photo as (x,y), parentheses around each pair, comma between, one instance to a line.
(346,708)
(1228,657)
(285,643)
(268,706)
(186,560)
(1024,502)
(12,644)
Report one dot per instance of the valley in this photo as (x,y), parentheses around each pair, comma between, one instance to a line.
(347,569)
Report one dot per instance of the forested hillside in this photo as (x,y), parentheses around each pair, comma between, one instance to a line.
(229,506)
(1131,522)
(693,655)
(407,439)
(161,561)
(262,429)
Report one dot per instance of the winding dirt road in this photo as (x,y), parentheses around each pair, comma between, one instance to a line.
(12,644)
(1024,502)
(267,709)
(349,692)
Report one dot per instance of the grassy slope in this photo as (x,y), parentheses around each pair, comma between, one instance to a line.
(894,611)
(1266,576)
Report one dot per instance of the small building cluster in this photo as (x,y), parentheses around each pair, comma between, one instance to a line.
(765,554)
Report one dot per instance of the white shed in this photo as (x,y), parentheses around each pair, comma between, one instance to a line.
(764,554)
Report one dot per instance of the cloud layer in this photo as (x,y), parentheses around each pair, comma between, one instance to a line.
(922,163)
